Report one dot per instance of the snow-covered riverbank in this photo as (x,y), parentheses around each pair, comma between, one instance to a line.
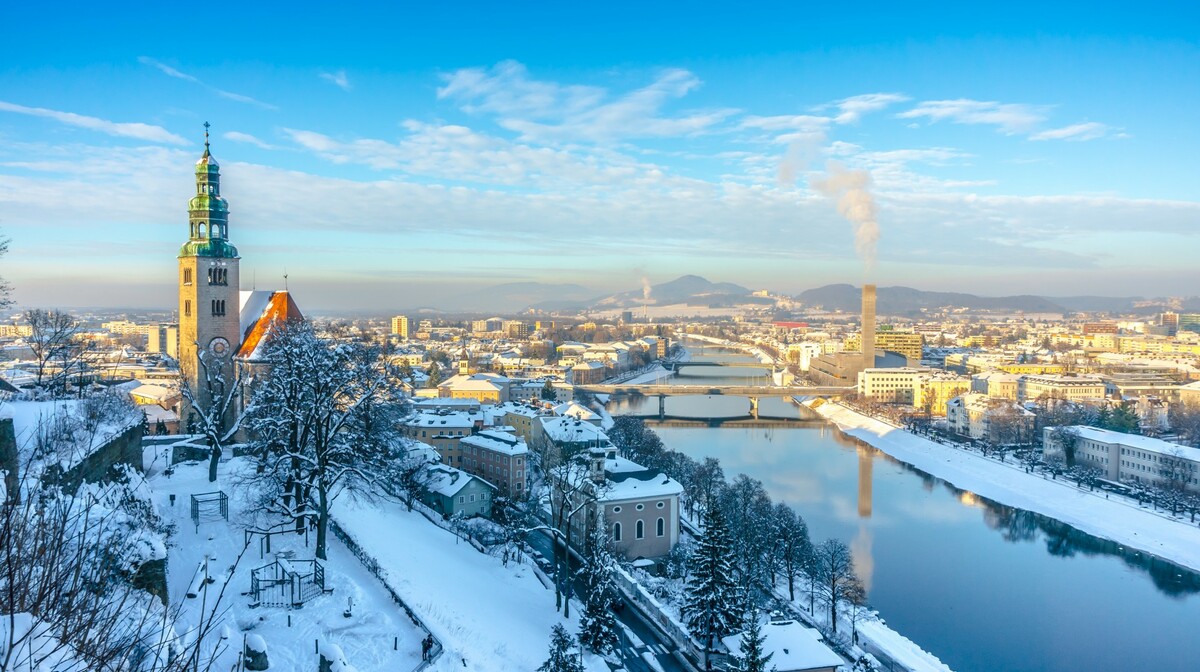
(1116,520)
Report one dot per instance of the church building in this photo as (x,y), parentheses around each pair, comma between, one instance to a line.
(221,328)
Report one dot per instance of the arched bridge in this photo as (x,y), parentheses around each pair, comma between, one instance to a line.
(753,393)
(741,365)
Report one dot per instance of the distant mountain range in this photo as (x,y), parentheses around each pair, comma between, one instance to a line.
(689,289)
(906,300)
(693,290)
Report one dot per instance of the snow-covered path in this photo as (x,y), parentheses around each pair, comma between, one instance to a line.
(487,616)
(1118,520)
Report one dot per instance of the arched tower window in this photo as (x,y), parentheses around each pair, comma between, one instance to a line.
(203,229)
(616,531)
(641,530)
(662,526)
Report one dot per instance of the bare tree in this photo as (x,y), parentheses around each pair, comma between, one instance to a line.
(322,422)
(1067,439)
(1185,420)
(70,596)
(574,489)
(1177,473)
(214,405)
(793,547)
(54,340)
(833,569)
(5,288)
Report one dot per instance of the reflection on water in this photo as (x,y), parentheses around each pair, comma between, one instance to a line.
(1018,592)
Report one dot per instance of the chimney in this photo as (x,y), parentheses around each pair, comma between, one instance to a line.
(868,326)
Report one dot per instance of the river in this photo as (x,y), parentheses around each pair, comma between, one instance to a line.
(984,587)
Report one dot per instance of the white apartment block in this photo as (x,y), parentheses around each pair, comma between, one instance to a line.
(1071,388)
(1130,457)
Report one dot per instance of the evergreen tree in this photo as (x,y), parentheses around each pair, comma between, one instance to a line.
(750,656)
(1103,418)
(597,625)
(712,596)
(548,392)
(1124,419)
(562,656)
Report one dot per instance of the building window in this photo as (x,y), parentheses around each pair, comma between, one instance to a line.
(641,529)
(616,509)
(640,507)
(472,498)
(218,307)
(616,531)
(662,526)
(187,308)
(461,499)
(187,276)
(659,505)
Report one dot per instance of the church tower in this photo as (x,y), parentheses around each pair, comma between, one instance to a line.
(208,286)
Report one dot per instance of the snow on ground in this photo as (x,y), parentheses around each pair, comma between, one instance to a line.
(1123,522)
(367,637)
(487,616)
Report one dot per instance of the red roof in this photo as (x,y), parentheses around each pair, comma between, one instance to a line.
(280,308)
(791,325)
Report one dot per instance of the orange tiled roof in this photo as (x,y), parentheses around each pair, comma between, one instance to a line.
(280,308)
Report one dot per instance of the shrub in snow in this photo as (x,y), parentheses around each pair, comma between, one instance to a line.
(332,659)
(256,653)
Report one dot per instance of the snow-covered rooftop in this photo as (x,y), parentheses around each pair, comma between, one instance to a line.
(1146,443)
(497,441)
(792,647)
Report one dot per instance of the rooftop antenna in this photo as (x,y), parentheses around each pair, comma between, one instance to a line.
(285,285)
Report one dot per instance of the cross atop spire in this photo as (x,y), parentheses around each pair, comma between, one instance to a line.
(206,125)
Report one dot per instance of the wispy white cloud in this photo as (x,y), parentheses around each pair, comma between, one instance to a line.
(453,152)
(851,109)
(166,69)
(238,136)
(338,79)
(179,74)
(548,112)
(135,130)
(1009,118)
(1088,130)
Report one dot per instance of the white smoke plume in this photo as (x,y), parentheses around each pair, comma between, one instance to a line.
(800,154)
(852,191)
(645,290)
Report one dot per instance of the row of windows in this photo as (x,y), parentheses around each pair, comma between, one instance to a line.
(639,530)
(216,276)
(482,497)
(218,307)
(639,507)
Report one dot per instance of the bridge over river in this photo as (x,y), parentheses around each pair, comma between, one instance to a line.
(751,392)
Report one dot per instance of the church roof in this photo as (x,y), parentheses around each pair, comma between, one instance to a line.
(260,310)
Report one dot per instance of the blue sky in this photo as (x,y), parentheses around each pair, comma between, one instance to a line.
(394,158)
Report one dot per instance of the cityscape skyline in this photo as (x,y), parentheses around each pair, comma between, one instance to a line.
(999,161)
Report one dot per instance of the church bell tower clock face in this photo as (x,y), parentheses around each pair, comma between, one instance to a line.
(218,346)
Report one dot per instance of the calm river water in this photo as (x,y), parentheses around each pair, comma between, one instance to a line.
(985,587)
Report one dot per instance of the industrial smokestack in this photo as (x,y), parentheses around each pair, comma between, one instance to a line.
(868,326)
